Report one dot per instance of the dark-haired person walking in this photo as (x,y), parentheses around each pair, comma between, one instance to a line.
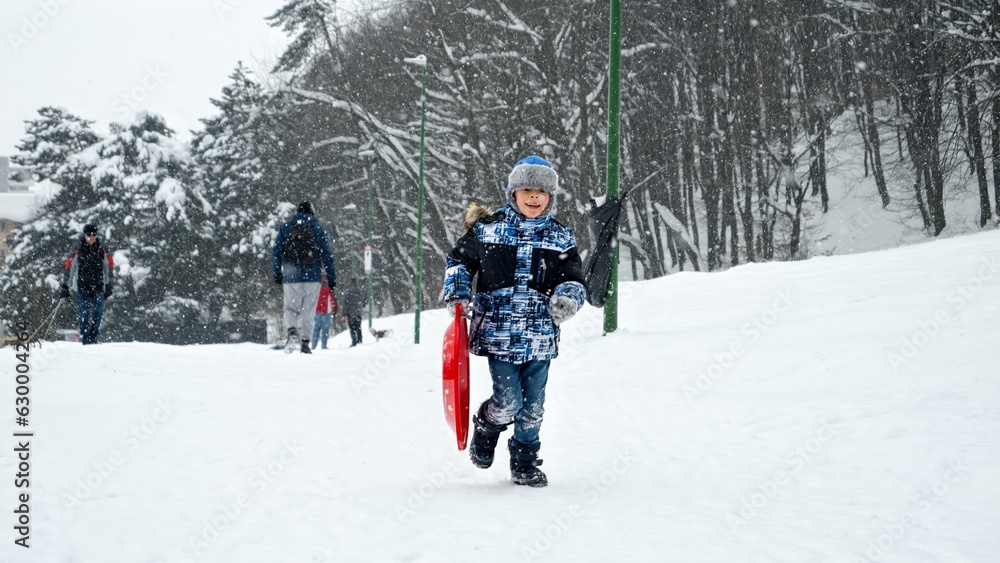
(89,272)
(301,252)
(353,306)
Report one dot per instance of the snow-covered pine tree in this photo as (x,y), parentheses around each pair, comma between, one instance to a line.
(136,187)
(312,25)
(31,274)
(243,167)
(51,139)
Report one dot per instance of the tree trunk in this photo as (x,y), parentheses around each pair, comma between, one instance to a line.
(978,158)
(995,152)
(709,180)
(934,149)
(873,141)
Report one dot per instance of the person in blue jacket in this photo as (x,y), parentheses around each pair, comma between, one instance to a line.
(530,280)
(300,254)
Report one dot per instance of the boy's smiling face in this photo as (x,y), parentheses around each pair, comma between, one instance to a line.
(531,202)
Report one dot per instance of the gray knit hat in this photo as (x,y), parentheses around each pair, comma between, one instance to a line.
(533,172)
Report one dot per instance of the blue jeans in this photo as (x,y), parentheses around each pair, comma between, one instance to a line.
(518,396)
(90,310)
(321,327)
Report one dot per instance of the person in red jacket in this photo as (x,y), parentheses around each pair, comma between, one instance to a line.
(326,307)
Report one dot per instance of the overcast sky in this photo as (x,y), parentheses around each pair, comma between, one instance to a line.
(106,59)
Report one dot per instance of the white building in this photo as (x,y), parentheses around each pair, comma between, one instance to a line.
(14,178)
(17,201)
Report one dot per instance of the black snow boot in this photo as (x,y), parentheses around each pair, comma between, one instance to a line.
(524,464)
(305,347)
(484,438)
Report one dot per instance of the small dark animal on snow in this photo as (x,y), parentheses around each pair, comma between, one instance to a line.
(380,334)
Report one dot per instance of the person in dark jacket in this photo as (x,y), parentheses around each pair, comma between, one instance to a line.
(89,273)
(530,280)
(353,306)
(300,254)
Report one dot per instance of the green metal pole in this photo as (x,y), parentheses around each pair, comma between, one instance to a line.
(614,144)
(371,298)
(420,208)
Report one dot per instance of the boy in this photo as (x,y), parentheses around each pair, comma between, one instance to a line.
(530,281)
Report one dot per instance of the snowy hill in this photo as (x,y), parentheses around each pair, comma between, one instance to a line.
(835,409)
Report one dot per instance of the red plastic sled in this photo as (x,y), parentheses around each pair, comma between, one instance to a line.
(455,377)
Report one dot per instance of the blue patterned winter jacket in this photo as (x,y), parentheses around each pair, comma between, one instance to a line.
(521,263)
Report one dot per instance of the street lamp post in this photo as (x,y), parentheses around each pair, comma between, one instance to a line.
(614,142)
(354,213)
(420,61)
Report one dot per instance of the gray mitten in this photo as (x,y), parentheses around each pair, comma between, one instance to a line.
(461,301)
(561,308)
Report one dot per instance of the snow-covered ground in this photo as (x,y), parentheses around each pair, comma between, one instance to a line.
(836,409)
